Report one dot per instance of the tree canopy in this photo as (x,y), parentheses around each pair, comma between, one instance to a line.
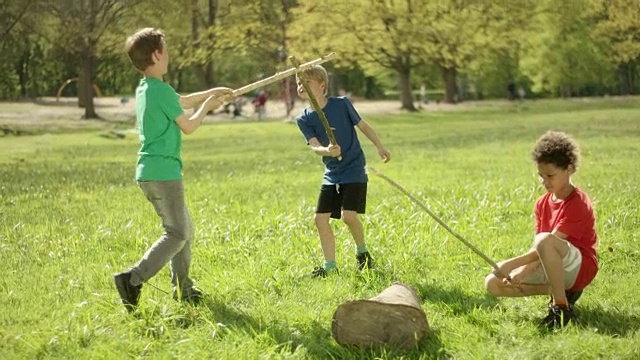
(461,49)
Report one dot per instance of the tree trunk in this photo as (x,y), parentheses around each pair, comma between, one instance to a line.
(624,78)
(22,68)
(82,91)
(208,70)
(85,80)
(87,88)
(406,96)
(449,75)
(633,74)
(195,41)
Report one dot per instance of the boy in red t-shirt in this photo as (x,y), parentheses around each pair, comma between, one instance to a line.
(562,260)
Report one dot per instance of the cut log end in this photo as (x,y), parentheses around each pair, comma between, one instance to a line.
(393,318)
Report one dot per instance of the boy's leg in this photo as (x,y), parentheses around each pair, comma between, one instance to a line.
(328,207)
(353,198)
(181,263)
(168,200)
(327,240)
(354,201)
(350,218)
(552,251)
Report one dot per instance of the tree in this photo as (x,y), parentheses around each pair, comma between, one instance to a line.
(204,43)
(562,58)
(11,14)
(405,35)
(370,33)
(617,27)
(82,24)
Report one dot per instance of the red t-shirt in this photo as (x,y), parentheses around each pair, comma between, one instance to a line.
(574,217)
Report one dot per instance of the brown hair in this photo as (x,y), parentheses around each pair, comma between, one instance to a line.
(142,44)
(317,73)
(557,148)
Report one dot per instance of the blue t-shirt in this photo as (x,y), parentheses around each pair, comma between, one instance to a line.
(343,118)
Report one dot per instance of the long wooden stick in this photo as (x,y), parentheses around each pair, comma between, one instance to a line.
(282,74)
(425,208)
(315,105)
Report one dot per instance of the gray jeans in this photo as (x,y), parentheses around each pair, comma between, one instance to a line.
(174,245)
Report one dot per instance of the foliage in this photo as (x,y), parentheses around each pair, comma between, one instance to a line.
(464,47)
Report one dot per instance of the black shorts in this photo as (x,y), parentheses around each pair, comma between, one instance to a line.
(335,198)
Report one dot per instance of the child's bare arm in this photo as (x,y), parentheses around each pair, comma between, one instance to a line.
(316,147)
(507,266)
(189,124)
(368,131)
(194,100)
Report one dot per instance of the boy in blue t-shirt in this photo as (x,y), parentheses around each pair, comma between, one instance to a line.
(344,187)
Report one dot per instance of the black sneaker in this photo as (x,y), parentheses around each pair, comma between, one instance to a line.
(572,297)
(364,260)
(195,296)
(558,317)
(320,272)
(128,293)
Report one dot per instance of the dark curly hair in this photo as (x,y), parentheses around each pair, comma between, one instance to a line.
(557,148)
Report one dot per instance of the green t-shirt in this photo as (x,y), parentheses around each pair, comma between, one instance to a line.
(157,107)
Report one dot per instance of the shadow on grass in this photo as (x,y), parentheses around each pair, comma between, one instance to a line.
(613,322)
(457,300)
(317,342)
(314,339)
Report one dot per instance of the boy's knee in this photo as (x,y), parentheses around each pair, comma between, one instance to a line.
(350,217)
(543,240)
(181,233)
(321,219)
(492,284)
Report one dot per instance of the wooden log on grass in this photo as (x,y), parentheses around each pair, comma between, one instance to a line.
(393,318)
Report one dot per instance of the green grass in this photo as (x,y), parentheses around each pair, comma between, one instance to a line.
(71,216)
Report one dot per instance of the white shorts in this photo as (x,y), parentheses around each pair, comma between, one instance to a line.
(571,264)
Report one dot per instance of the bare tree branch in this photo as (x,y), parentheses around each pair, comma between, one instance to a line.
(16,20)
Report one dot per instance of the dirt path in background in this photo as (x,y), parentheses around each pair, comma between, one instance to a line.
(48,115)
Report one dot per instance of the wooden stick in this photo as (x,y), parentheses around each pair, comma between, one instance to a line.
(315,105)
(425,208)
(281,75)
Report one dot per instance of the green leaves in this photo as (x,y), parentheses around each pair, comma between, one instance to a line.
(560,48)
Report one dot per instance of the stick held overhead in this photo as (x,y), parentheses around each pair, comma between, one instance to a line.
(282,74)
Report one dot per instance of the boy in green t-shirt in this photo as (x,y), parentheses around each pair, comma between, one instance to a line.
(160,118)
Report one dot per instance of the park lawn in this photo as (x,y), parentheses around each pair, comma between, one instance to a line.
(71,215)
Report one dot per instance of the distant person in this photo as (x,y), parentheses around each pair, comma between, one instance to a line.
(562,260)
(423,93)
(512,90)
(343,193)
(521,93)
(238,104)
(290,94)
(260,104)
(343,92)
(160,119)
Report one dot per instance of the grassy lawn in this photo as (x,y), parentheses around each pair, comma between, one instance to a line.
(71,215)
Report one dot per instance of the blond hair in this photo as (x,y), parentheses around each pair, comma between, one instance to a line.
(317,73)
(142,44)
